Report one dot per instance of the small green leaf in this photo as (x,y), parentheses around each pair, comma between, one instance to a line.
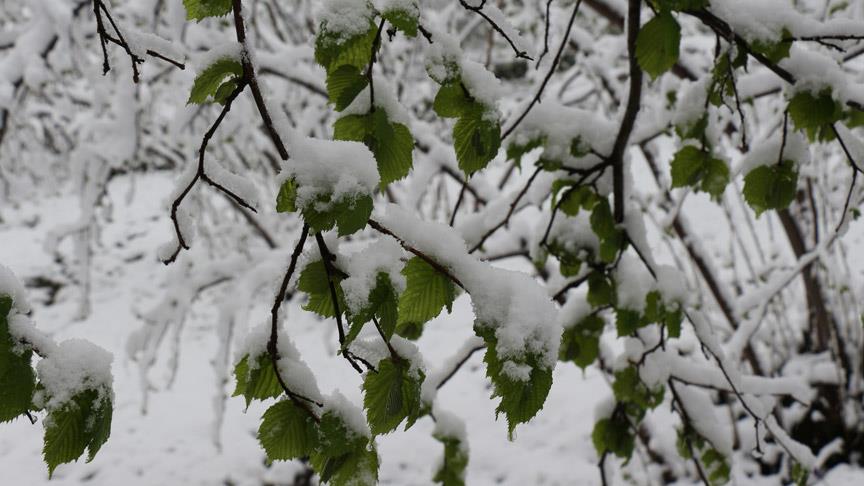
(697,168)
(427,292)
(613,435)
(333,51)
(581,343)
(313,281)
(287,432)
(452,100)
(391,143)
(657,44)
(84,422)
(258,383)
(209,81)
(344,84)
(381,304)
(201,9)
(392,395)
(771,186)
(477,139)
(600,290)
(451,470)
(286,200)
(815,113)
(774,51)
(404,20)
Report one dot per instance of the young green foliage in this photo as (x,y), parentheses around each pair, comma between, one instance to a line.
(476,134)
(344,84)
(392,395)
(211,81)
(345,61)
(342,456)
(391,143)
(580,343)
(287,432)
(404,18)
(815,113)
(771,186)
(613,434)
(695,167)
(256,383)
(349,215)
(201,9)
(451,470)
(521,399)
(314,282)
(715,465)
(427,293)
(82,423)
(17,380)
(382,304)
(657,44)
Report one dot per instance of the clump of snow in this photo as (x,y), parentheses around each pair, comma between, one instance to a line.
(294,371)
(385,99)
(345,18)
(512,303)
(767,152)
(11,286)
(632,283)
(701,412)
(671,284)
(344,170)
(384,255)
(27,336)
(140,42)
(516,371)
(815,72)
(351,415)
(375,349)
(74,366)
(575,309)
(443,56)
(242,187)
(482,84)
(572,233)
(691,106)
(450,426)
(409,6)
(560,125)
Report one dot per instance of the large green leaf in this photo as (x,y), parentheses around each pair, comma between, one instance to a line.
(210,80)
(313,281)
(392,395)
(771,186)
(344,84)
(84,422)
(391,143)
(657,44)
(287,432)
(477,138)
(258,383)
(427,292)
(381,304)
(694,167)
(815,113)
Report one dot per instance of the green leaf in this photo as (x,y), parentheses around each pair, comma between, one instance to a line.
(209,81)
(613,434)
(697,168)
(451,470)
(287,432)
(452,100)
(333,51)
(258,383)
(201,9)
(771,186)
(657,44)
(476,139)
(600,290)
(404,20)
(516,151)
(84,422)
(286,200)
(774,51)
(358,468)
(520,399)
(344,84)
(391,143)
(17,380)
(628,388)
(627,321)
(348,215)
(313,281)
(381,304)
(815,113)
(577,199)
(603,224)
(427,292)
(581,343)
(392,395)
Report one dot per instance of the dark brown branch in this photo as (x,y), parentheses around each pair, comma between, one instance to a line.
(458,366)
(273,343)
(376,44)
(437,266)
(202,175)
(250,78)
(479,11)
(630,112)
(327,258)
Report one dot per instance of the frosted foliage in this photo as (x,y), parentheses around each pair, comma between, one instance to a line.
(75,366)
(351,414)
(345,18)
(363,268)
(344,170)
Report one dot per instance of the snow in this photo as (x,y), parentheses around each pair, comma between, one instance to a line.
(767,152)
(384,255)
(385,98)
(343,170)
(345,18)
(225,50)
(11,286)
(74,366)
(351,414)
(633,283)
